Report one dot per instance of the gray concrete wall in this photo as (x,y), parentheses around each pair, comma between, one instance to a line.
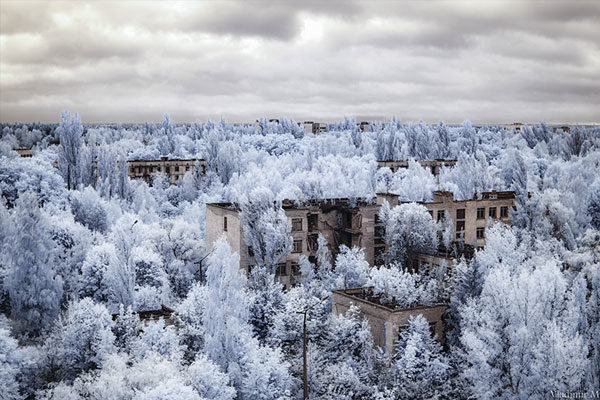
(446,202)
(384,322)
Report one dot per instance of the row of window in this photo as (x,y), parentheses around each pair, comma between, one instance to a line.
(281,269)
(460,231)
(313,223)
(181,168)
(297,242)
(492,212)
(460,213)
(296,249)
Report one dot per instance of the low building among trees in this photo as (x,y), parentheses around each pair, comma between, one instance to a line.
(386,320)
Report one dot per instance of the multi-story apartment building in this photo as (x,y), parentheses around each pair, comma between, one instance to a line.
(469,217)
(356,223)
(340,221)
(174,168)
(433,165)
(314,127)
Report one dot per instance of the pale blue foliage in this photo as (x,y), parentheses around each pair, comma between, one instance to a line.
(32,281)
(82,340)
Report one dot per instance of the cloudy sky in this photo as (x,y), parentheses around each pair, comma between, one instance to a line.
(128,61)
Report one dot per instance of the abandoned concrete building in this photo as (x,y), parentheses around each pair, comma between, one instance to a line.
(386,322)
(314,127)
(174,168)
(342,221)
(433,165)
(469,220)
(26,153)
(147,316)
(469,217)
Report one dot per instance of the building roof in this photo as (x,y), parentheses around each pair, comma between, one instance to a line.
(288,204)
(163,159)
(365,295)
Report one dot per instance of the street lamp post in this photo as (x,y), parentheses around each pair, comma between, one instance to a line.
(304,342)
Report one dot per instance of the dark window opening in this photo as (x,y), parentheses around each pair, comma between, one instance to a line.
(480,233)
(492,212)
(297,246)
(440,215)
(295,269)
(313,244)
(481,213)
(280,269)
(460,213)
(296,224)
(313,222)
(379,253)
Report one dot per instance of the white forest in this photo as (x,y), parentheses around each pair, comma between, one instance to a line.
(86,250)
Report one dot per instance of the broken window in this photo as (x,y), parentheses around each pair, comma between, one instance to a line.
(312,243)
(294,268)
(296,224)
(280,269)
(297,246)
(492,212)
(440,215)
(379,255)
(313,222)
(503,212)
(460,213)
(378,220)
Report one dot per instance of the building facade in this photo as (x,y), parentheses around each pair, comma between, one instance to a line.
(469,217)
(340,221)
(314,127)
(174,169)
(357,223)
(386,322)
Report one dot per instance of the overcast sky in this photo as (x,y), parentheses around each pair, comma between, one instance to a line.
(129,61)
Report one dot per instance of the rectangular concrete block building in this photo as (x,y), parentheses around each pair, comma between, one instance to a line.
(174,168)
(340,221)
(356,223)
(386,322)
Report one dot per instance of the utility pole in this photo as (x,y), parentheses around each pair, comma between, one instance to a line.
(304,343)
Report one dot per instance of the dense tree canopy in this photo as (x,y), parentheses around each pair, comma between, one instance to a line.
(82,241)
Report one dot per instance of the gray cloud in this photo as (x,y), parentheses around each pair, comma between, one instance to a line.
(492,61)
